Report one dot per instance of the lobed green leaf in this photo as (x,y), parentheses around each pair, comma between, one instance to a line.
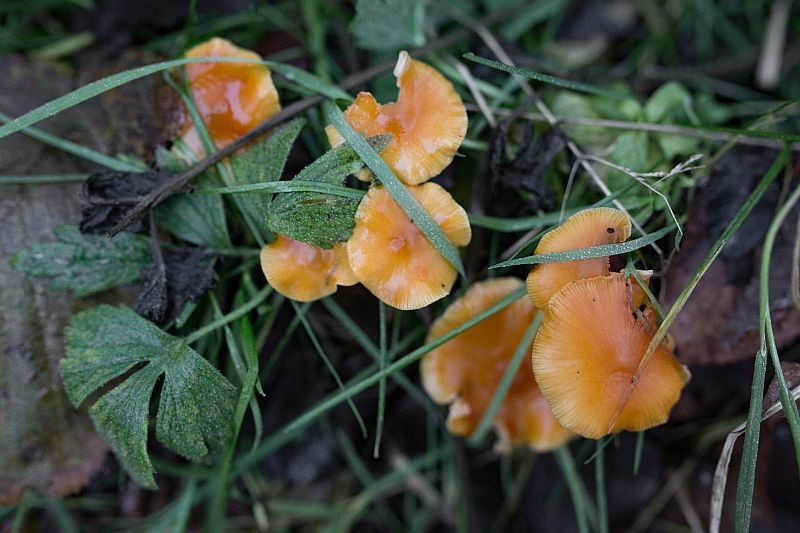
(85,264)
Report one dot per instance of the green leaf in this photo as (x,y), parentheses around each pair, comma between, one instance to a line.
(318,219)
(263,163)
(399,192)
(196,403)
(602,250)
(389,24)
(630,152)
(85,264)
(665,100)
(545,78)
(196,218)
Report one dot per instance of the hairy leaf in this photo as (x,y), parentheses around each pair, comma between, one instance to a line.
(264,162)
(196,218)
(85,264)
(321,219)
(196,402)
(107,196)
(389,24)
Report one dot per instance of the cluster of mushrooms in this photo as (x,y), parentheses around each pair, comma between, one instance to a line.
(584,375)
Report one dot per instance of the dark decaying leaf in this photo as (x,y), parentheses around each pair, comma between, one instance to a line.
(196,401)
(319,219)
(517,188)
(85,264)
(185,274)
(107,196)
(719,323)
(791,374)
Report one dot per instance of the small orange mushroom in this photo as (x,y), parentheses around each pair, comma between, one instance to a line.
(466,370)
(591,227)
(232,98)
(303,272)
(427,123)
(587,353)
(392,258)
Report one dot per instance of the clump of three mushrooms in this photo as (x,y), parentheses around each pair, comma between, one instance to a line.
(584,374)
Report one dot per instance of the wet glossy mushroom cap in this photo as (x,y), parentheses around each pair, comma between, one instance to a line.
(303,272)
(466,370)
(591,227)
(427,123)
(390,255)
(587,352)
(232,98)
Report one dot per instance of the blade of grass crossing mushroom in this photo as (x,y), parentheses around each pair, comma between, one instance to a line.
(586,253)
(102,85)
(404,199)
(747,472)
(276,187)
(408,359)
(210,148)
(325,359)
(545,78)
(376,452)
(523,349)
(737,221)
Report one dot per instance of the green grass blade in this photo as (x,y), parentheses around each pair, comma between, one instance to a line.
(399,192)
(509,225)
(545,78)
(567,464)
(376,452)
(325,359)
(309,81)
(637,453)
(100,86)
(350,391)
(586,253)
(76,149)
(747,472)
(38,179)
(523,349)
(600,489)
(277,187)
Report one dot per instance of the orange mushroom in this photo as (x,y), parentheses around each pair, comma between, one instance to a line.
(232,98)
(466,370)
(392,257)
(427,123)
(591,227)
(587,353)
(303,272)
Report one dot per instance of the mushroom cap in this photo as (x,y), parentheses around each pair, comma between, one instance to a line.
(587,352)
(591,227)
(427,123)
(303,272)
(467,369)
(392,257)
(232,98)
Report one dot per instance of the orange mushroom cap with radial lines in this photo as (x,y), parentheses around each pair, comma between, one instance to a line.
(392,258)
(466,370)
(303,272)
(586,355)
(591,227)
(232,98)
(427,123)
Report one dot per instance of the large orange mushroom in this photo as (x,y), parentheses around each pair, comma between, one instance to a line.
(427,123)
(303,272)
(232,98)
(392,257)
(466,370)
(591,227)
(587,353)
